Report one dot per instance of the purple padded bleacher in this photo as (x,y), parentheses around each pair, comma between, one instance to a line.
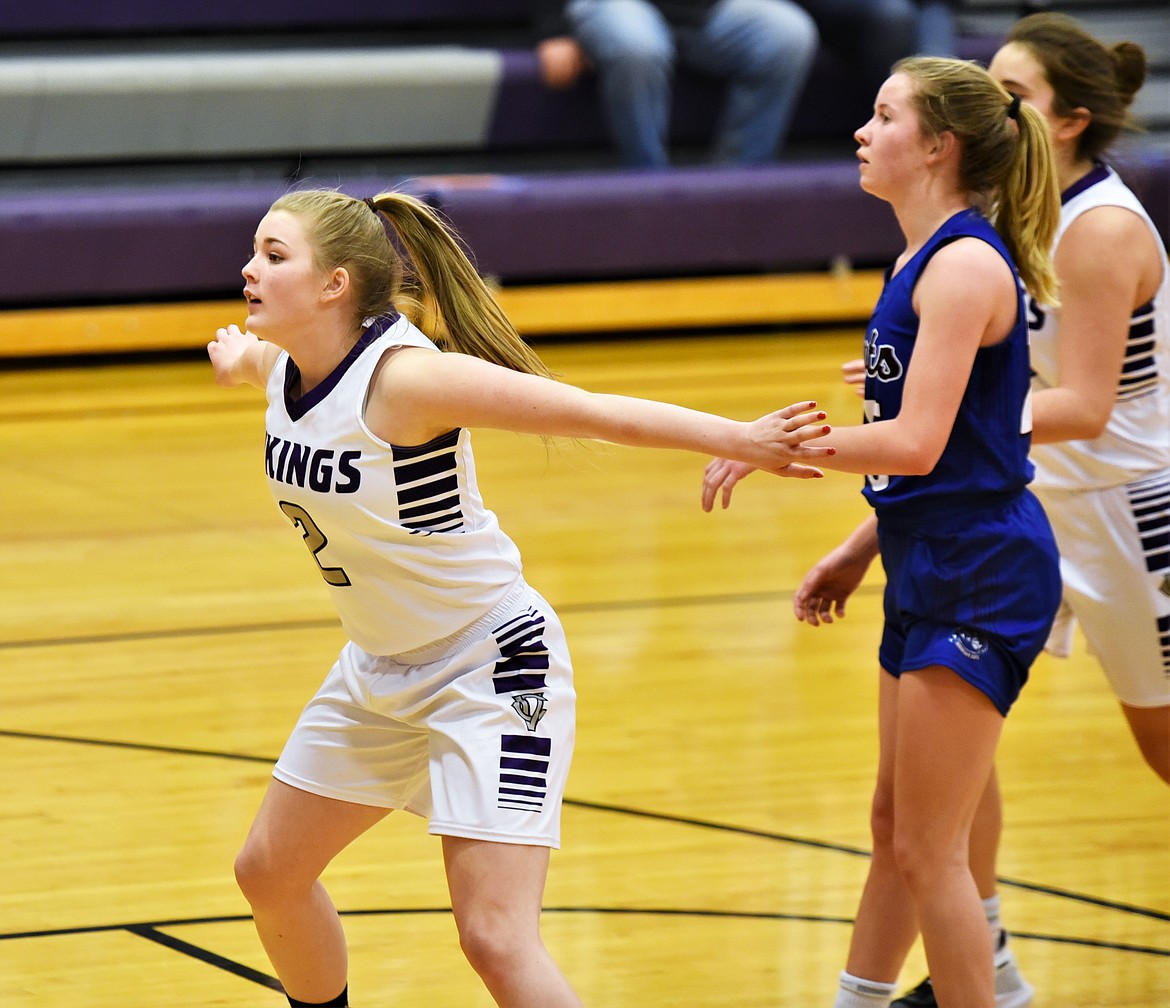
(70,18)
(188,241)
(696,221)
(157,242)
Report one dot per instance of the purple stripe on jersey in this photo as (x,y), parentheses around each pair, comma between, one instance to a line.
(516,763)
(1098,174)
(297,408)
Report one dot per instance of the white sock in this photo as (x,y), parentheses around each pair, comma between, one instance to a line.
(854,992)
(991,910)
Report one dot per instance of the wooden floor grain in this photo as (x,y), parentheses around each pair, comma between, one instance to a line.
(161,626)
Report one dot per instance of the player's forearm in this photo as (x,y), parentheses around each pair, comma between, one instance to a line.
(887,447)
(645,423)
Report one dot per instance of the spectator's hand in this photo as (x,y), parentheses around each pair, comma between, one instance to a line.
(562,61)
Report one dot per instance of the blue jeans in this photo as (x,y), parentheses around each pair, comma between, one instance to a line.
(872,35)
(936,28)
(763,48)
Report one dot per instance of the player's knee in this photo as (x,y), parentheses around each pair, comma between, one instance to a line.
(258,877)
(924,859)
(492,946)
(881,822)
(780,50)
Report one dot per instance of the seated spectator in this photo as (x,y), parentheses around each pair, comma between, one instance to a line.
(936,27)
(870,36)
(762,48)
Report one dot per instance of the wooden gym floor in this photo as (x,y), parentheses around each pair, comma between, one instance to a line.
(161,626)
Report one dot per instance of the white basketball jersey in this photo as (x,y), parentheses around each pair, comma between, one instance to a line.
(400,534)
(1136,439)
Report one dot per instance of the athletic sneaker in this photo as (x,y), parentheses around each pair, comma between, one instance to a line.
(1011,989)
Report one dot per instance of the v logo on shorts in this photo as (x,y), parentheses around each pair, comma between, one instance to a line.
(530,707)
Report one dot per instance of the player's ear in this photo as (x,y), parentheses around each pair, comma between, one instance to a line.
(1071,126)
(336,285)
(944,145)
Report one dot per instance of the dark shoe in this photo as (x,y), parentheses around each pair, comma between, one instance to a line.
(921,996)
(1011,989)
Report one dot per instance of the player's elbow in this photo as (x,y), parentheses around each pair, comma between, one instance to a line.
(1090,422)
(920,459)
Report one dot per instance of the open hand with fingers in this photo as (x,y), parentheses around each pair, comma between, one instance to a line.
(825,589)
(225,351)
(853,371)
(784,435)
(822,594)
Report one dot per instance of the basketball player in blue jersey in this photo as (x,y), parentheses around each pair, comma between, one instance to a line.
(1100,406)
(972,577)
(454,697)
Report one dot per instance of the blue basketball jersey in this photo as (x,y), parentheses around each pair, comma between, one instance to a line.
(986,455)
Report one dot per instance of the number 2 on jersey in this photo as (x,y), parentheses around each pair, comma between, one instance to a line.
(316,541)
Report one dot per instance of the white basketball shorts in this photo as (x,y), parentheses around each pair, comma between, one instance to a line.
(1115,562)
(474,733)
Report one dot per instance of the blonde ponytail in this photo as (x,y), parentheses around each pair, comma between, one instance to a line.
(441,290)
(465,314)
(1006,158)
(1027,213)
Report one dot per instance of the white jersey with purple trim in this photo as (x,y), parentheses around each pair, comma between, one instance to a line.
(1136,440)
(400,534)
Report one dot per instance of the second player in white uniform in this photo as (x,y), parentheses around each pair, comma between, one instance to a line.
(1108,497)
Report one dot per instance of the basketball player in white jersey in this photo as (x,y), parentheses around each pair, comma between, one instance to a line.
(454,697)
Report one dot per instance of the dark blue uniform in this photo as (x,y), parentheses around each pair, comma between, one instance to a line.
(973,579)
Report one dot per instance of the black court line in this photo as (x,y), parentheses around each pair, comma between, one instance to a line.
(151,932)
(138,746)
(227,629)
(170,633)
(624,810)
(845,849)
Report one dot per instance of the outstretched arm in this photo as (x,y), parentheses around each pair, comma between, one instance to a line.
(421,394)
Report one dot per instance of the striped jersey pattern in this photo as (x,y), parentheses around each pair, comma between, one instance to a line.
(524,656)
(428,485)
(1139,372)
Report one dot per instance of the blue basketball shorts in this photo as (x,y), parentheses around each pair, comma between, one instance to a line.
(974,591)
